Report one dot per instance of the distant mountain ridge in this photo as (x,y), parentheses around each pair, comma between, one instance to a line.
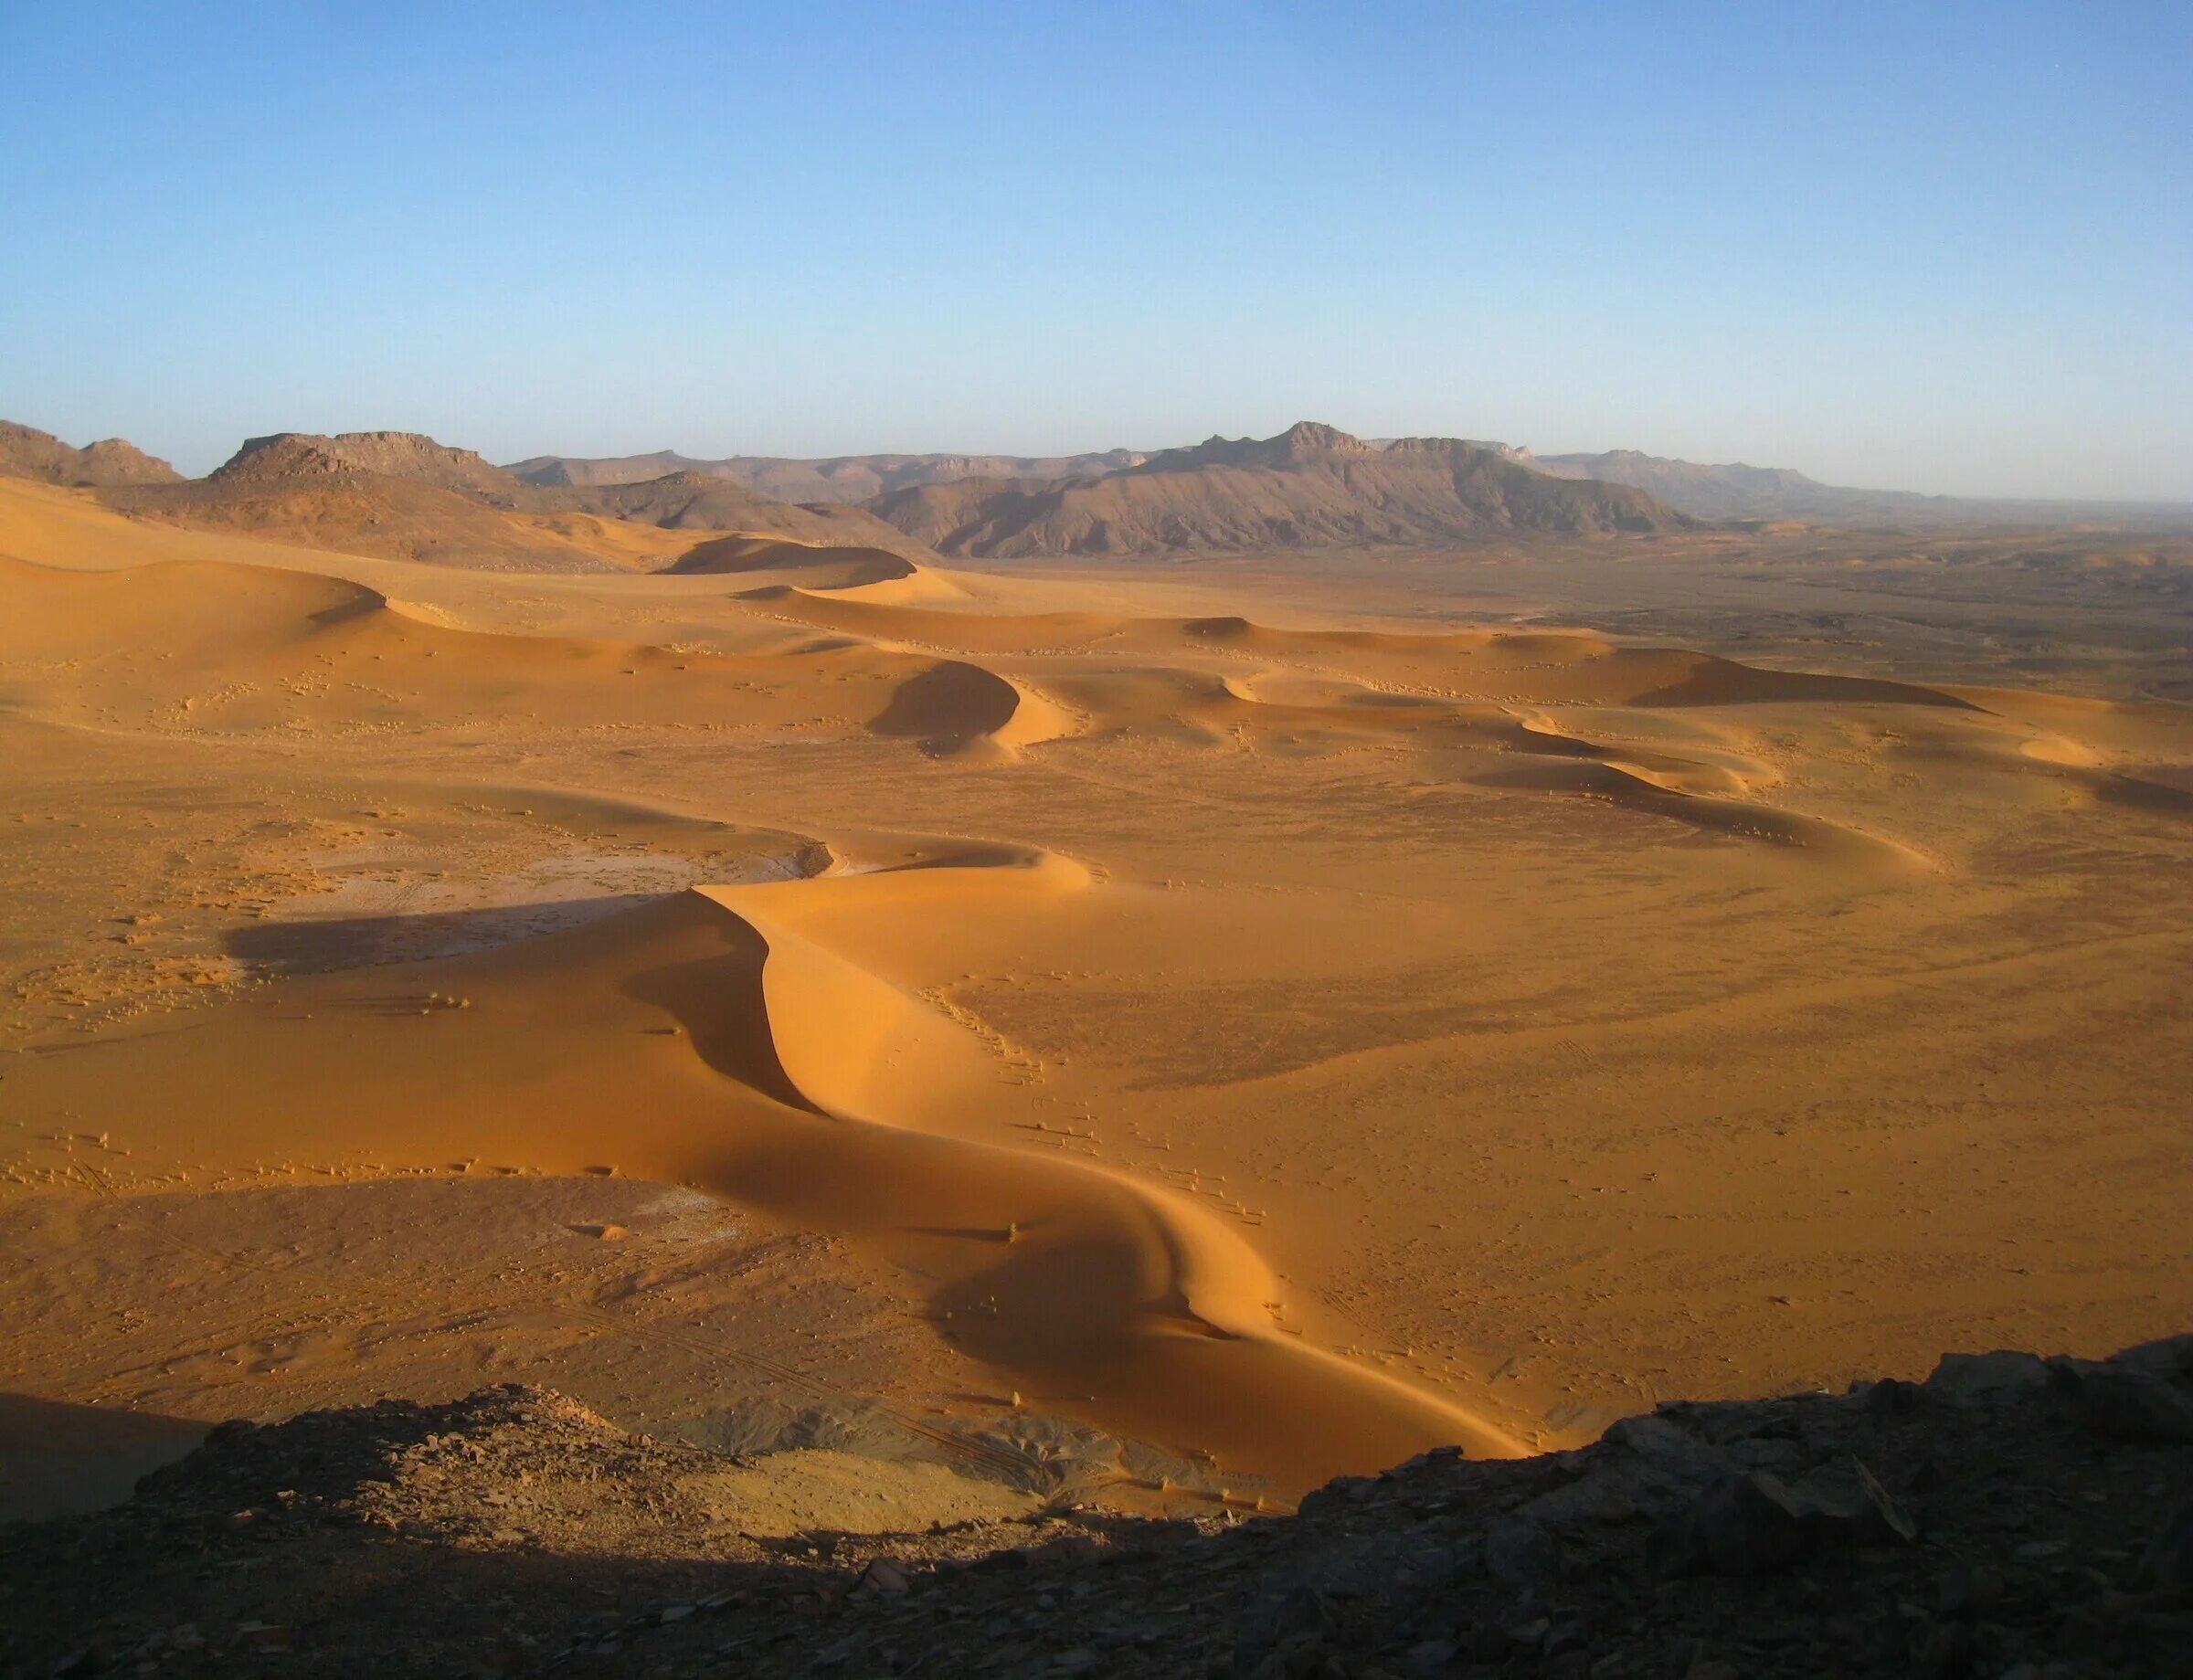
(1311,486)
(28,453)
(1711,492)
(1734,490)
(403,495)
(841,478)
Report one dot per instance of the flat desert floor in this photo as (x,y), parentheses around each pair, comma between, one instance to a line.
(1172,1032)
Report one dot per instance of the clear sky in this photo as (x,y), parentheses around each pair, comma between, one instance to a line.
(1923,246)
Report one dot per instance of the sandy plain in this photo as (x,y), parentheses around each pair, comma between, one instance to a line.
(1175,1033)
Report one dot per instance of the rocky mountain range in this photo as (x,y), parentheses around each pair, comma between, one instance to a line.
(1713,492)
(1311,486)
(401,495)
(404,495)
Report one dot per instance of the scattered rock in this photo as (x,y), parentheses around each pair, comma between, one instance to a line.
(1521,1556)
(1966,1590)
(2122,1401)
(2167,1564)
(1985,1378)
(1946,1653)
(1719,1541)
(883,1576)
(1743,1525)
(1285,1615)
(1845,1501)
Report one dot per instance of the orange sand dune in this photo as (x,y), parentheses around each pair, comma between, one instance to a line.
(1637,786)
(1551,668)
(201,647)
(954,705)
(801,1083)
(1311,1042)
(736,555)
(870,575)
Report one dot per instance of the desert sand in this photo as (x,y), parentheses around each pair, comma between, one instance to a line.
(1224,1026)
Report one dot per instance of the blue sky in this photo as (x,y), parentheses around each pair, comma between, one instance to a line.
(1941,246)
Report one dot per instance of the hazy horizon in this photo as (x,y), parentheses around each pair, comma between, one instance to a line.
(1945,253)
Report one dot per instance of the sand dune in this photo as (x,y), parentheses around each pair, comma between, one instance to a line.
(280,639)
(200,647)
(955,706)
(788,1086)
(1212,1015)
(1640,787)
(846,567)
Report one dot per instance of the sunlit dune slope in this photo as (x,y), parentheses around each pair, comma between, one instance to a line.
(801,1082)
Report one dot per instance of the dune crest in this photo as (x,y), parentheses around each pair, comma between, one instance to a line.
(1177,1286)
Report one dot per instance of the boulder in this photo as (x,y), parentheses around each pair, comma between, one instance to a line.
(1521,1556)
(1987,1379)
(1844,1501)
(1643,1466)
(2124,1401)
(1743,1525)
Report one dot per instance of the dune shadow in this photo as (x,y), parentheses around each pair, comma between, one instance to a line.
(967,1233)
(720,1003)
(364,605)
(952,700)
(57,1458)
(360,941)
(2140,794)
(1723,682)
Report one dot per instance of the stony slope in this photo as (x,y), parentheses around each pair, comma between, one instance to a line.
(28,453)
(1311,486)
(2010,1516)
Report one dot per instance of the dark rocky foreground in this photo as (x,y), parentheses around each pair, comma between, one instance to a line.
(2009,1518)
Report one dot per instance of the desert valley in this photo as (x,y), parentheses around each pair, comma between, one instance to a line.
(1247,964)
(714,966)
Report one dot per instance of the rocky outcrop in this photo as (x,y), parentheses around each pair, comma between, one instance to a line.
(410,456)
(28,453)
(2011,1517)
